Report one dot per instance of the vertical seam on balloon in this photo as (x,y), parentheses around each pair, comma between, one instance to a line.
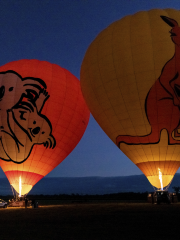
(105,91)
(60,113)
(53,130)
(14,101)
(112,34)
(32,154)
(47,103)
(170,124)
(143,110)
(36,146)
(116,78)
(134,73)
(28,121)
(154,173)
(77,97)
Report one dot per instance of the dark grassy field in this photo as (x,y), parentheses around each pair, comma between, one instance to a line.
(106,221)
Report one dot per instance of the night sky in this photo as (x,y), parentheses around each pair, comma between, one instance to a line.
(60,31)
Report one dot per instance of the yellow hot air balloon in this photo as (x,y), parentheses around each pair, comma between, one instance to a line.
(130,81)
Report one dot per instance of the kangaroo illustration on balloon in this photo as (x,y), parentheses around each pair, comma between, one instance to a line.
(21,123)
(162,104)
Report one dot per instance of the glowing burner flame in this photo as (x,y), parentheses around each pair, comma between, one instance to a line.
(160,178)
(20,186)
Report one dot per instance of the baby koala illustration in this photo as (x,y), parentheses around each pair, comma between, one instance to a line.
(21,124)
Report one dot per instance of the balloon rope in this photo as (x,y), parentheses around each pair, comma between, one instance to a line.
(13,191)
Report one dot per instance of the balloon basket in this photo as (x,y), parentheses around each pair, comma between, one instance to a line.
(162,197)
(17,201)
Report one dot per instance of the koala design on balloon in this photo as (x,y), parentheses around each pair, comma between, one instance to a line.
(21,123)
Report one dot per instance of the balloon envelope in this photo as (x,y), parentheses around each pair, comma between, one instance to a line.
(42,118)
(130,81)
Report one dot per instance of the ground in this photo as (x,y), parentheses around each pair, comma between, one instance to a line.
(91,221)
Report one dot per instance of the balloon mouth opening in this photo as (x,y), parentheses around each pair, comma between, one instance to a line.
(22,182)
(21,189)
(160,182)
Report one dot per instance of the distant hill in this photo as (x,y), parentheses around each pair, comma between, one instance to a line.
(89,185)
